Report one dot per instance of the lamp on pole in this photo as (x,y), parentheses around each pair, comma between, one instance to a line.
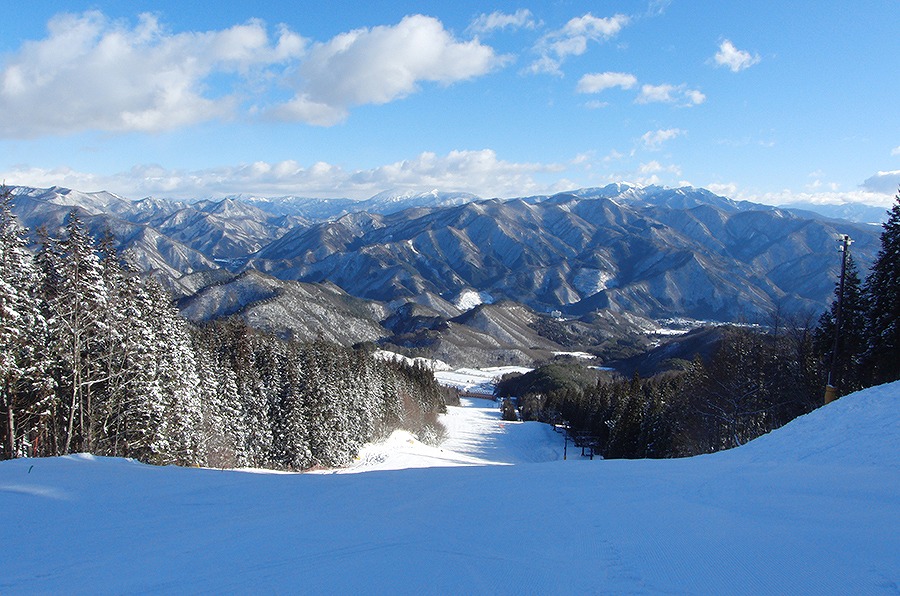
(831,387)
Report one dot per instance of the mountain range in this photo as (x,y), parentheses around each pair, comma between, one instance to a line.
(444,270)
(651,251)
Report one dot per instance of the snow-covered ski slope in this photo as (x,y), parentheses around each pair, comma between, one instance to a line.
(475,435)
(813,508)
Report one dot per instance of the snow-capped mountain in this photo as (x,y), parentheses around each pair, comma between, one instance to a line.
(653,251)
(383,203)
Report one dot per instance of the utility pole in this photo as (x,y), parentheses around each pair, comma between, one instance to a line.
(831,387)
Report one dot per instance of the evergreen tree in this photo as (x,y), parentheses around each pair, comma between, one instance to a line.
(23,363)
(129,410)
(883,293)
(76,306)
(290,432)
(176,373)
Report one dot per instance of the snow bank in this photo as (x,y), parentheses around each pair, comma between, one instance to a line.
(859,429)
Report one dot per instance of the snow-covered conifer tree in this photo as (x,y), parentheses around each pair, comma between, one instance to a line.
(883,292)
(75,296)
(24,392)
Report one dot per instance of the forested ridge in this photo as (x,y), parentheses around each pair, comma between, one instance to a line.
(94,358)
(755,381)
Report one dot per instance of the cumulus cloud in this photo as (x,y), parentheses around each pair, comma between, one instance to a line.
(654,139)
(485,23)
(895,150)
(91,72)
(95,73)
(599,81)
(883,182)
(724,189)
(666,93)
(480,172)
(693,97)
(736,60)
(572,40)
(379,65)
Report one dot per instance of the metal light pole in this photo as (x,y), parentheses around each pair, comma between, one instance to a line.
(833,378)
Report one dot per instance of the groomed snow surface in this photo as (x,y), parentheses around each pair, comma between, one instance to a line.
(813,508)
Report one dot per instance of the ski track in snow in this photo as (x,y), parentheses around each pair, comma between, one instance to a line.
(811,508)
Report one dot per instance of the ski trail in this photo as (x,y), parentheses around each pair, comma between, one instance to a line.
(475,436)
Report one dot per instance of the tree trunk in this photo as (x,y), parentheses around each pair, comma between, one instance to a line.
(10,420)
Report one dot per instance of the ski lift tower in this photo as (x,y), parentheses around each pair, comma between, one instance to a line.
(831,387)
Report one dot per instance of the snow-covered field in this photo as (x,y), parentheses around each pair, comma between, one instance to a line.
(479,381)
(812,508)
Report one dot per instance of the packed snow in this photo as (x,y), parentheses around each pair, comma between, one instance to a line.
(811,508)
(475,436)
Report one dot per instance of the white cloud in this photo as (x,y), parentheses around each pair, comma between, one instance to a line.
(572,40)
(656,94)
(693,97)
(735,59)
(91,72)
(485,23)
(599,81)
(883,182)
(666,93)
(654,173)
(95,73)
(657,8)
(895,151)
(787,197)
(654,139)
(654,167)
(379,65)
(480,172)
(725,189)
(830,196)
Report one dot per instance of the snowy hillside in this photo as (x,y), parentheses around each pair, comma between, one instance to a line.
(809,509)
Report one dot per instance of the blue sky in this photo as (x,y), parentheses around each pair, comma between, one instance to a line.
(767,101)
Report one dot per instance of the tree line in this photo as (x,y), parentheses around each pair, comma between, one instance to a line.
(95,358)
(755,381)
